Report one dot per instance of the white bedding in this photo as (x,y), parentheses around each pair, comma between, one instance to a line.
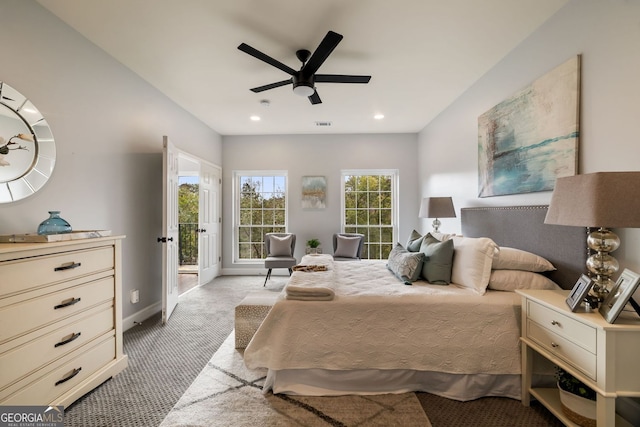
(375,322)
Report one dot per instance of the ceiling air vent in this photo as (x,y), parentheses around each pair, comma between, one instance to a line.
(323,124)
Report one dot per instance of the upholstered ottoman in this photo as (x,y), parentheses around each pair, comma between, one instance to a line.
(250,313)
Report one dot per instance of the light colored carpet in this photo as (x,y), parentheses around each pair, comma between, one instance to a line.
(227,393)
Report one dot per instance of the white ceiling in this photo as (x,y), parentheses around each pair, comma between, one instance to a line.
(421,54)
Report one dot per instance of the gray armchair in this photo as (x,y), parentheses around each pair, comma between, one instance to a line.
(280,249)
(347,246)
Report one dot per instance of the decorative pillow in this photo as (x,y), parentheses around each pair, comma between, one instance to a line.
(404,264)
(443,236)
(472,260)
(438,260)
(280,246)
(517,259)
(414,242)
(347,246)
(510,280)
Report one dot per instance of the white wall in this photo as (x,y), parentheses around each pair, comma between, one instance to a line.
(324,155)
(108,125)
(607,34)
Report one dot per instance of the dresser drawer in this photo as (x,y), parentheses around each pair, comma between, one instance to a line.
(579,333)
(24,274)
(34,313)
(42,388)
(41,351)
(563,348)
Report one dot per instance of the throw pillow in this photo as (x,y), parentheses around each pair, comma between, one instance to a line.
(472,260)
(510,280)
(280,246)
(444,236)
(414,241)
(347,246)
(404,264)
(517,259)
(438,260)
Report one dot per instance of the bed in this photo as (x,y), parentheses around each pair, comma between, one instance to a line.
(354,327)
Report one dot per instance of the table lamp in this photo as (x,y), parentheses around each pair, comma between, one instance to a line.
(437,207)
(600,200)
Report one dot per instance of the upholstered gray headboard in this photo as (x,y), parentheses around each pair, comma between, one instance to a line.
(523,227)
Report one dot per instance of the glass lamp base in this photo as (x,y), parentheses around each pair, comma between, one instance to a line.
(602,264)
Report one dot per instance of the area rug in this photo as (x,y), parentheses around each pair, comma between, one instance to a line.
(227,393)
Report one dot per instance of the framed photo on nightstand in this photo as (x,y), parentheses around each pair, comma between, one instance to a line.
(579,291)
(619,295)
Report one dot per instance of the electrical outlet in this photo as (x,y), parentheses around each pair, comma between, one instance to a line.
(135,296)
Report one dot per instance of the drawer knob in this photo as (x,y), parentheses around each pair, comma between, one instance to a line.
(67,304)
(554,345)
(68,340)
(73,374)
(555,323)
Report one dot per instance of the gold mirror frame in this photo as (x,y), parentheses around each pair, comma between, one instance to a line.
(27,147)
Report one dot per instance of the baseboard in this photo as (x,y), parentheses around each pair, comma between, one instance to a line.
(141,316)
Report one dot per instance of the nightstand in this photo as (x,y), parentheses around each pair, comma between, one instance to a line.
(602,355)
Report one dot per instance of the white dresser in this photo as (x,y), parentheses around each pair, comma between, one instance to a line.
(61,317)
(600,354)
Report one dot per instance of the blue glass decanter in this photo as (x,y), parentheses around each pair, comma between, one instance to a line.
(54,225)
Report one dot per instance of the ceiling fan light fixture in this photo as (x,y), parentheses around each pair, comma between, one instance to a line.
(303,89)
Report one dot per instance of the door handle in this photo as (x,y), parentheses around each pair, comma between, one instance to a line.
(164,239)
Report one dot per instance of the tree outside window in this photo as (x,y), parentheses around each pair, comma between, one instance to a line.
(261,209)
(369,206)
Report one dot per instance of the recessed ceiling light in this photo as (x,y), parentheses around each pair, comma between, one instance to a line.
(255,118)
(379,116)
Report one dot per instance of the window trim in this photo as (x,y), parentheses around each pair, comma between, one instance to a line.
(236,209)
(395,195)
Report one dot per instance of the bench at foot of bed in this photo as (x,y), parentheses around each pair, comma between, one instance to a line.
(250,313)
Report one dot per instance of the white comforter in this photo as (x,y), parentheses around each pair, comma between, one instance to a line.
(377,322)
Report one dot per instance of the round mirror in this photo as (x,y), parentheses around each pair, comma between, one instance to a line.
(27,147)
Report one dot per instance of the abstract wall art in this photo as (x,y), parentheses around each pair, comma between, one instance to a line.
(314,192)
(529,140)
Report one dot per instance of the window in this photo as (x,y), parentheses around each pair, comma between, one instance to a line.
(370,208)
(260,208)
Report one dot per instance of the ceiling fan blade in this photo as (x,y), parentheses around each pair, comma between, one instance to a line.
(271,86)
(322,52)
(340,78)
(266,58)
(315,98)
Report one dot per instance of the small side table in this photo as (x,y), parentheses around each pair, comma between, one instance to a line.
(602,355)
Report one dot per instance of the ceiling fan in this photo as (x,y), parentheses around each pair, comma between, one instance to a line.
(304,80)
